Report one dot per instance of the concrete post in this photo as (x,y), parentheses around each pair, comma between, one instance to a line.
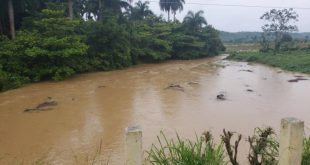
(134,155)
(291,141)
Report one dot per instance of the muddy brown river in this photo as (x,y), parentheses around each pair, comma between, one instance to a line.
(95,108)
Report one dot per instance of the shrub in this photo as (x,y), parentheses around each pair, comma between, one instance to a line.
(263,147)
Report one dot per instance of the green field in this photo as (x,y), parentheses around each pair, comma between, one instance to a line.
(296,61)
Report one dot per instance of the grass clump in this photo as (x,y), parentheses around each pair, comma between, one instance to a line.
(306,152)
(296,61)
(203,151)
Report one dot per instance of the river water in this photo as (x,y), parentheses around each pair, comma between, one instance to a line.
(94,109)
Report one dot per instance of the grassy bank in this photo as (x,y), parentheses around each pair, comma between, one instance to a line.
(296,61)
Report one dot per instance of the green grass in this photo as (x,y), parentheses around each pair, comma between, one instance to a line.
(296,61)
(306,152)
(185,152)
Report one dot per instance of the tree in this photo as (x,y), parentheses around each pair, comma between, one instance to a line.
(11,18)
(152,40)
(109,45)
(265,42)
(194,21)
(140,11)
(51,49)
(70,9)
(93,9)
(100,5)
(176,5)
(1,30)
(116,6)
(166,6)
(279,24)
(3,11)
(12,13)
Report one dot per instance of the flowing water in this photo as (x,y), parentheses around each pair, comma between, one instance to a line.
(94,109)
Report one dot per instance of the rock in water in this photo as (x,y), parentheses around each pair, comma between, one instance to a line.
(49,104)
(297,79)
(246,70)
(250,90)
(221,97)
(175,87)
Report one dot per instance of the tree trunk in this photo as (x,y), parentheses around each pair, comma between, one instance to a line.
(278,42)
(168,16)
(11,18)
(1,30)
(70,9)
(174,19)
(100,11)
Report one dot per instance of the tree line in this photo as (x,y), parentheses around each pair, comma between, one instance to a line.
(55,39)
(13,11)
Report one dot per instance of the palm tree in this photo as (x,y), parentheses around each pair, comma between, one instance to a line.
(1,31)
(117,5)
(96,7)
(2,17)
(194,21)
(140,11)
(176,5)
(166,6)
(11,18)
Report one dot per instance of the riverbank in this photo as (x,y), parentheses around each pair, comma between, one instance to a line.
(9,81)
(296,61)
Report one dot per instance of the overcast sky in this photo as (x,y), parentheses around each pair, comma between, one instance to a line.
(235,19)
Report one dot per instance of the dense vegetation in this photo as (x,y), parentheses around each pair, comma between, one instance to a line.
(263,149)
(254,37)
(297,61)
(57,39)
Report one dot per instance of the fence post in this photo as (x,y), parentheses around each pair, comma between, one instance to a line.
(291,141)
(133,149)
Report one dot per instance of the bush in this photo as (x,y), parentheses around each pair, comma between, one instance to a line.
(263,147)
